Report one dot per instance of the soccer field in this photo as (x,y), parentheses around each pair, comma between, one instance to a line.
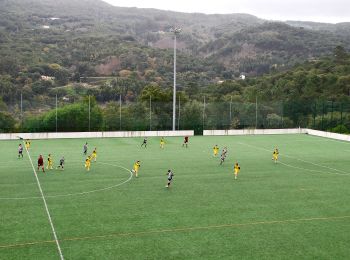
(298,208)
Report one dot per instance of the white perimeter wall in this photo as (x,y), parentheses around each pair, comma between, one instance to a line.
(14,136)
(255,131)
(341,137)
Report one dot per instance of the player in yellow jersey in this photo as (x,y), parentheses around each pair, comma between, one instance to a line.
(236,169)
(215,150)
(88,163)
(94,154)
(136,168)
(162,143)
(49,162)
(275,155)
(27,144)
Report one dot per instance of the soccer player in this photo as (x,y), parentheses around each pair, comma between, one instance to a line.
(61,163)
(85,148)
(215,150)
(162,142)
(41,163)
(88,163)
(49,162)
(170,178)
(236,169)
(136,168)
(27,144)
(144,142)
(275,155)
(223,155)
(94,154)
(20,151)
(185,143)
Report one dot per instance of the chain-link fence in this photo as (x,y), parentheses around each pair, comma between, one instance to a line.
(84,113)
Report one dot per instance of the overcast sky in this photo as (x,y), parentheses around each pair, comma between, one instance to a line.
(330,11)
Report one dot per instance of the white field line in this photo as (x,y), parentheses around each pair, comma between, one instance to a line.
(179,229)
(79,193)
(319,165)
(46,207)
(310,170)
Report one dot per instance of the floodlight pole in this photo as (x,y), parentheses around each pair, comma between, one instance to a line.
(175,31)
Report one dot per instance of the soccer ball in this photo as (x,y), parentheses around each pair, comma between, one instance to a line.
(133,170)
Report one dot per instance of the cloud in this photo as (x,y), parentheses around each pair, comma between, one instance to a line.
(311,10)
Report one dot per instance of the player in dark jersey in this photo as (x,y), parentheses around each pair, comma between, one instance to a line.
(144,142)
(170,178)
(61,163)
(185,143)
(223,155)
(85,148)
(20,151)
(41,163)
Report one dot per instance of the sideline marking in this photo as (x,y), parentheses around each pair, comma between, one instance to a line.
(46,208)
(79,193)
(183,229)
(319,165)
(310,170)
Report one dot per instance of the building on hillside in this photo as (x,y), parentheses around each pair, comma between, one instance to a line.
(47,78)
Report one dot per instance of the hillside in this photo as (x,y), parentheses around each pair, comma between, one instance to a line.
(51,48)
(70,32)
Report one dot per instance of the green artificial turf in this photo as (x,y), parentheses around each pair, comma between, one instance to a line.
(298,208)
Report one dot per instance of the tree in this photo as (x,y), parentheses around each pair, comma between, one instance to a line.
(340,54)
(192,116)
(7,123)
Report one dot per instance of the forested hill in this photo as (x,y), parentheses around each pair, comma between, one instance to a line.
(107,39)
(51,48)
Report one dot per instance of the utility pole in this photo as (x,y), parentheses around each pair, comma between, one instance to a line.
(176,31)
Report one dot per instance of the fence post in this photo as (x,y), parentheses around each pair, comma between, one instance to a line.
(89,114)
(120,112)
(230,113)
(322,128)
(341,113)
(332,116)
(56,113)
(256,111)
(150,112)
(203,112)
(21,110)
(178,118)
(315,114)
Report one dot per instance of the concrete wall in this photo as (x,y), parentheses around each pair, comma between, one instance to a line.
(32,136)
(255,131)
(14,136)
(335,136)
(341,137)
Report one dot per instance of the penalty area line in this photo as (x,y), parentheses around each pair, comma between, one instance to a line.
(182,229)
(46,207)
